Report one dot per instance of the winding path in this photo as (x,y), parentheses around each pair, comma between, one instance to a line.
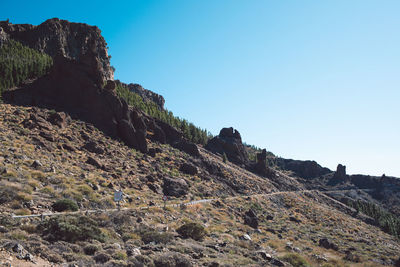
(180,204)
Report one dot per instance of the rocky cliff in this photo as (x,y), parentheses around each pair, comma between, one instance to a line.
(60,37)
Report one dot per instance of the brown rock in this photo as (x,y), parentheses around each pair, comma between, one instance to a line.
(60,119)
(94,162)
(188,169)
(175,187)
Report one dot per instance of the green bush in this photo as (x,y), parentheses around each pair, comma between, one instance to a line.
(70,229)
(295,259)
(156,237)
(19,63)
(65,204)
(192,230)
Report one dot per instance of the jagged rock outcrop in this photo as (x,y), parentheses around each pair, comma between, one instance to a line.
(229,142)
(61,37)
(339,176)
(340,173)
(261,165)
(305,169)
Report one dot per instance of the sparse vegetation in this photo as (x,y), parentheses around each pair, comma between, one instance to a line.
(127,233)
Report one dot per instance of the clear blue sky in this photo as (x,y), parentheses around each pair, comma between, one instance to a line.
(304,79)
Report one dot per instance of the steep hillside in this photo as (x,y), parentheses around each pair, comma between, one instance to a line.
(45,156)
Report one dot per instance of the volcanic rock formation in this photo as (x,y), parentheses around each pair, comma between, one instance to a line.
(229,142)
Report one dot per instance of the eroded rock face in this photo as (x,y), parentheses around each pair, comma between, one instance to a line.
(229,142)
(61,37)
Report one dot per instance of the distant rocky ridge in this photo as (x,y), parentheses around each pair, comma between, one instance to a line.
(60,37)
(303,168)
(146,94)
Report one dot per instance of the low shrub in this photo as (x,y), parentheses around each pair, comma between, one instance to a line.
(192,230)
(120,255)
(172,259)
(65,204)
(156,237)
(102,257)
(90,249)
(295,259)
(70,229)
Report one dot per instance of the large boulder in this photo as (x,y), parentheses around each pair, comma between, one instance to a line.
(328,244)
(175,187)
(250,218)
(229,142)
(188,147)
(188,168)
